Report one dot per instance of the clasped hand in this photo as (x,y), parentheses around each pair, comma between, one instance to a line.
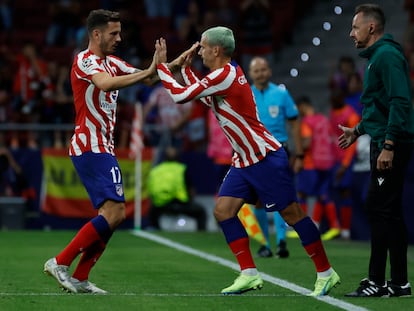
(183,60)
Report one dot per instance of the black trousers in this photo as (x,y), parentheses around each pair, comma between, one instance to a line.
(385,215)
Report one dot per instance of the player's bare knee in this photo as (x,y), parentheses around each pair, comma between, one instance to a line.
(223,212)
(114,213)
(292,214)
(219,213)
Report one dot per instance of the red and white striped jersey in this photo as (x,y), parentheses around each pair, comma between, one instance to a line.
(95,109)
(228,93)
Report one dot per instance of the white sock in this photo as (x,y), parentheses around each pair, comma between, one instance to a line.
(250,271)
(325,273)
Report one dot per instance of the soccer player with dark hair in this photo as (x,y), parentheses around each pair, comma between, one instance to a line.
(96,77)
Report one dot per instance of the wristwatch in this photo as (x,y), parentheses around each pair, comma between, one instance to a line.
(388,147)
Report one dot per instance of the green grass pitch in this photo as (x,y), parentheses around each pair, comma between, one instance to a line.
(142,274)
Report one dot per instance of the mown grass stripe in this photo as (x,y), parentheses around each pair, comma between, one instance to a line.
(224,262)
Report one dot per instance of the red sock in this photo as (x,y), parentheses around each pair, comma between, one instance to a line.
(331,215)
(241,250)
(317,212)
(85,237)
(88,259)
(316,252)
(346,216)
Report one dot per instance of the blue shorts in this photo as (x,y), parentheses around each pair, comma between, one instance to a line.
(314,182)
(101,176)
(269,181)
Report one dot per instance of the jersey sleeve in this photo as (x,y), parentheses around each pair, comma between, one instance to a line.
(214,83)
(123,67)
(86,67)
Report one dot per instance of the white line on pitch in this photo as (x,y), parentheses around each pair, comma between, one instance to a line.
(267,277)
(137,294)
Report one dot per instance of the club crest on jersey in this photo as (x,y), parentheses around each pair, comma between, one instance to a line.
(273,111)
(119,190)
(242,80)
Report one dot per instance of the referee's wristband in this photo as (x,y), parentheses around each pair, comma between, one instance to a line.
(388,147)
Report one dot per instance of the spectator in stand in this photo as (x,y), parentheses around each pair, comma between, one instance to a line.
(255,23)
(342,113)
(13,181)
(171,192)
(132,48)
(181,11)
(226,14)
(6,86)
(316,177)
(158,8)
(339,78)
(6,16)
(192,24)
(66,20)
(30,80)
(57,103)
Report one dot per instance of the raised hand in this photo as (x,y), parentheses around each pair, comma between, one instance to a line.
(160,51)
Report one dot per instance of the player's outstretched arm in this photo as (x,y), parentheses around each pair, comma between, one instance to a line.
(107,83)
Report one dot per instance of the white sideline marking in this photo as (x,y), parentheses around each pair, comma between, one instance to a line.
(224,262)
(137,295)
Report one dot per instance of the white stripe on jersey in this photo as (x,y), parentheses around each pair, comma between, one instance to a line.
(192,78)
(234,106)
(94,139)
(236,128)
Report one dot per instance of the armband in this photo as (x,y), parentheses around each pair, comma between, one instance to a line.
(300,156)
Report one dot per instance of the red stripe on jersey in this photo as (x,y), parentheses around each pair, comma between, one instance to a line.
(234,106)
(95,109)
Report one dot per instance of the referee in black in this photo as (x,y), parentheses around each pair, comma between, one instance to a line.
(388,117)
